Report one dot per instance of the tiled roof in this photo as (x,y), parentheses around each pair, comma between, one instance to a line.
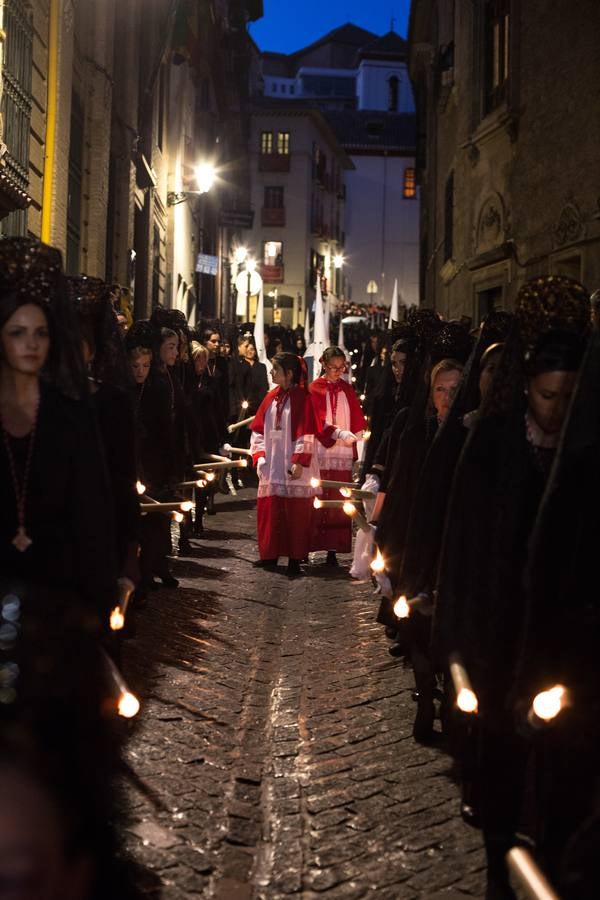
(365,130)
(391,44)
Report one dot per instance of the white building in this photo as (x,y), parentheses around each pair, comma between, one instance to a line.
(361,84)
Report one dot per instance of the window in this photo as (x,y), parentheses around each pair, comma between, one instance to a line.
(274,87)
(393,86)
(266,142)
(292,89)
(410,184)
(273,198)
(283,143)
(16,104)
(273,253)
(449,218)
(497,52)
(283,88)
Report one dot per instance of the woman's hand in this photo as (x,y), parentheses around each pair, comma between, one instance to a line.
(295,471)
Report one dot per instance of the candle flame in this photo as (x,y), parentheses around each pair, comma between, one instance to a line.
(345,492)
(467,701)
(200,483)
(186,506)
(243,463)
(317,504)
(548,704)
(315,482)
(349,508)
(210,476)
(117,619)
(353,379)
(178,517)
(378,564)
(245,404)
(401,608)
(362,398)
(129,705)
(140,488)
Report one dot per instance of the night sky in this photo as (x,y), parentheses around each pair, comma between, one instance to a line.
(286,26)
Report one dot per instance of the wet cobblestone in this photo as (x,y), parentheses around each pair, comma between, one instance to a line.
(273,755)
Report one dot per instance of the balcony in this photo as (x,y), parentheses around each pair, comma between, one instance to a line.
(274,162)
(272,274)
(273,216)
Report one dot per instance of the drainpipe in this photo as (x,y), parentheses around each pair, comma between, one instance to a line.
(51,111)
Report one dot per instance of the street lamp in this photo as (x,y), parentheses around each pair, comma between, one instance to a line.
(338,261)
(205,174)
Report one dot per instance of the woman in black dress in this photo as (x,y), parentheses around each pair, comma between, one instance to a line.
(497,489)
(57,527)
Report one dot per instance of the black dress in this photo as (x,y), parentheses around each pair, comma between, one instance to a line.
(69,508)
(115,417)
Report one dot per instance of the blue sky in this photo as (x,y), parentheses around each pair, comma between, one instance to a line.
(287,26)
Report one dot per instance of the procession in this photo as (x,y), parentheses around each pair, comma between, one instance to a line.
(299,412)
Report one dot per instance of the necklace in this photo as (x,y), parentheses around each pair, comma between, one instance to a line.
(21,539)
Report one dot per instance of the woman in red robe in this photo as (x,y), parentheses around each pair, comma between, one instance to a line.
(282,447)
(340,423)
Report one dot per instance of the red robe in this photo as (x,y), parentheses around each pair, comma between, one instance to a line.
(332,528)
(284,506)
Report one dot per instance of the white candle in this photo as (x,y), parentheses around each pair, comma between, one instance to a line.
(529,876)
(466,698)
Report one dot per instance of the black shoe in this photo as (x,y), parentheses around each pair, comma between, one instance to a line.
(185,547)
(169,581)
(331,559)
(265,563)
(293,569)
(398,650)
(423,731)
(391,633)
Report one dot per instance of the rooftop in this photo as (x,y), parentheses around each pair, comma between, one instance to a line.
(366,130)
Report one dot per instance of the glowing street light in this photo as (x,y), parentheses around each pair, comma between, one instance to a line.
(338,260)
(206,175)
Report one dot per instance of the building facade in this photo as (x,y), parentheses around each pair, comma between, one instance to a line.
(507,138)
(298,171)
(107,111)
(360,83)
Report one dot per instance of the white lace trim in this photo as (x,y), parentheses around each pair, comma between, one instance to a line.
(274,489)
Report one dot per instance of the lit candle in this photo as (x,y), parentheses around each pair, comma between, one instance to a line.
(547,705)
(200,483)
(222,464)
(186,506)
(117,619)
(327,504)
(128,704)
(327,483)
(117,616)
(466,698)
(351,510)
(140,488)
(529,875)
(158,507)
(245,404)
(401,608)
(242,451)
(236,425)
(178,517)
(378,564)
(404,607)
(357,494)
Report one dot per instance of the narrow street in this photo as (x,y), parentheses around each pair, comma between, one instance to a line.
(273,753)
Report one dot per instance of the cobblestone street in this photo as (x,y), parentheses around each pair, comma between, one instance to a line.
(273,752)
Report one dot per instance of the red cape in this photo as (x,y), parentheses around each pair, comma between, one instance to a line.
(318,392)
(302,418)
